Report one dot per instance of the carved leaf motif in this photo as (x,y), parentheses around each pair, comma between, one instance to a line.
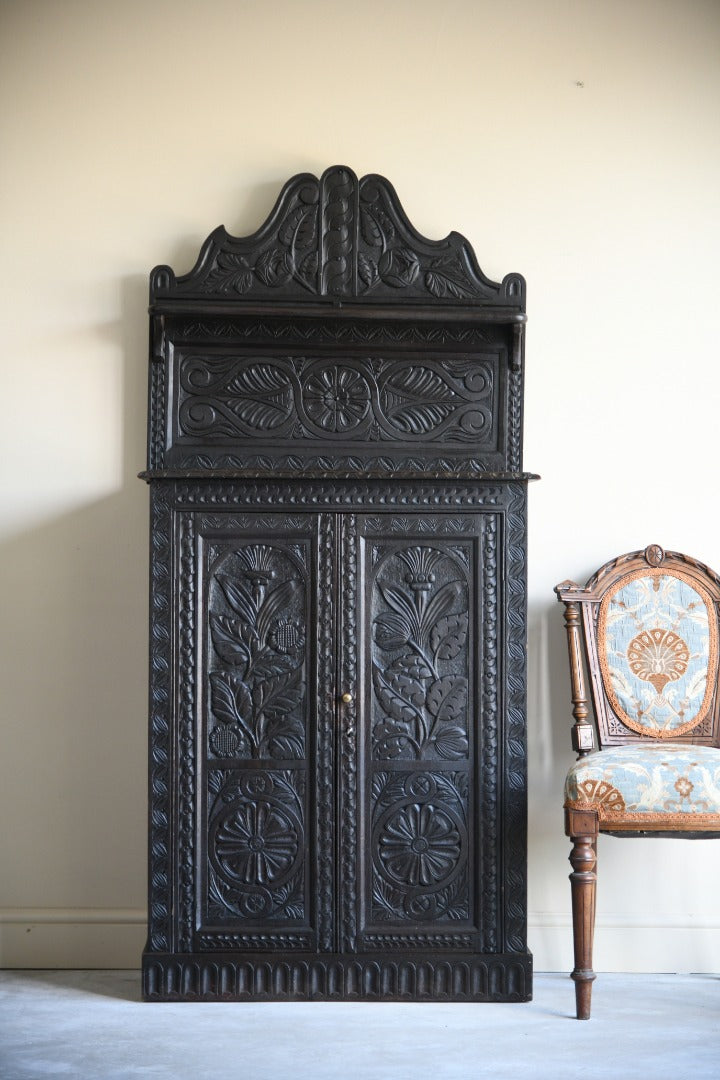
(370,228)
(391,630)
(448,636)
(399,267)
(451,743)
(275,601)
(439,605)
(391,740)
(239,598)
(447,698)
(231,272)
(411,665)
(228,640)
(269,663)
(273,268)
(307,270)
(299,228)
(447,277)
(231,701)
(417,399)
(265,396)
(400,602)
(279,695)
(406,688)
(286,740)
(367,269)
(394,705)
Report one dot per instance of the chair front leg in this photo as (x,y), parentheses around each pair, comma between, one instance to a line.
(582,828)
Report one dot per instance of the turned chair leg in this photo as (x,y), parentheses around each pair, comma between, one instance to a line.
(582,828)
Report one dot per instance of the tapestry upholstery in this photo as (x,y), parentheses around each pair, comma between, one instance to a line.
(655,785)
(658,651)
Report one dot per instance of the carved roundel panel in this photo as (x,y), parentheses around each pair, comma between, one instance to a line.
(256,846)
(336,399)
(420,847)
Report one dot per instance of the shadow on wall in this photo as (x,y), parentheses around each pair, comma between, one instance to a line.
(75,690)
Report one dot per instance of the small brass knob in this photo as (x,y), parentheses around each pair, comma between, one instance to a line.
(346,698)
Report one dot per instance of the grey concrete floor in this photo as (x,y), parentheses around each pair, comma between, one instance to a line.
(91,1025)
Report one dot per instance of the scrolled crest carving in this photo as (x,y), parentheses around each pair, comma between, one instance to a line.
(339,237)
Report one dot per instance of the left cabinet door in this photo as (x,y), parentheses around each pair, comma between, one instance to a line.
(255,752)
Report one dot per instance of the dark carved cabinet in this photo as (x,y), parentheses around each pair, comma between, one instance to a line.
(337,703)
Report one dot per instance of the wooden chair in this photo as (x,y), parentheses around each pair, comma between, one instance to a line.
(646,627)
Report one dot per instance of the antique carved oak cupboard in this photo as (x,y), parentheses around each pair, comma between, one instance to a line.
(337,743)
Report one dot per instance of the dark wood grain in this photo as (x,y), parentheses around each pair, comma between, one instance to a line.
(338,773)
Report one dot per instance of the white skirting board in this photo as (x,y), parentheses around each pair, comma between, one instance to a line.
(114,938)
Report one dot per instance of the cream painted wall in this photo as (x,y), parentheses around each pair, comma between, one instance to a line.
(575,142)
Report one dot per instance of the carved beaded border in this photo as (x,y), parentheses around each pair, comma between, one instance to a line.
(186,732)
(514,803)
(348,729)
(325,733)
(160,778)
(489,763)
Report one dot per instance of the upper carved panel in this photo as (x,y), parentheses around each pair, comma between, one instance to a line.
(338,238)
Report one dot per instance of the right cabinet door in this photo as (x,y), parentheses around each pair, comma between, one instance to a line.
(421,755)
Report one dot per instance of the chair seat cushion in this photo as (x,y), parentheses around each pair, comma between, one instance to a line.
(653,785)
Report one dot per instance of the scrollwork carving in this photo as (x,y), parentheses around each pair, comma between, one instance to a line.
(366,400)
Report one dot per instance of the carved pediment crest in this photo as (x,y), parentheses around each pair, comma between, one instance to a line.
(342,239)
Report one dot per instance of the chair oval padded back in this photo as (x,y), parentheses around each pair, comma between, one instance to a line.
(657,640)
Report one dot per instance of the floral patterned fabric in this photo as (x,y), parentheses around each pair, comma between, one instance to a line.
(657,640)
(655,785)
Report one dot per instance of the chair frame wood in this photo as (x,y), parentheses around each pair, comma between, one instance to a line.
(582,826)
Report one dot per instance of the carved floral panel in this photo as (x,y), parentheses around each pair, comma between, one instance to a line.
(257,645)
(358,399)
(420,652)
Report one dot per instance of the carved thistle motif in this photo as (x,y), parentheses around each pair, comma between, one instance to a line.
(257,622)
(421,655)
(363,399)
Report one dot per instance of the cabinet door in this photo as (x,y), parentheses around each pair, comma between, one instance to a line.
(420,755)
(265,708)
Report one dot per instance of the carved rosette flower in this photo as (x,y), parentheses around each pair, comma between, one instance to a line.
(419,845)
(257,844)
(336,398)
(287,636)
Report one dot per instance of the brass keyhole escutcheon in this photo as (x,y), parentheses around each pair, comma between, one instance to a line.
(346,698)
